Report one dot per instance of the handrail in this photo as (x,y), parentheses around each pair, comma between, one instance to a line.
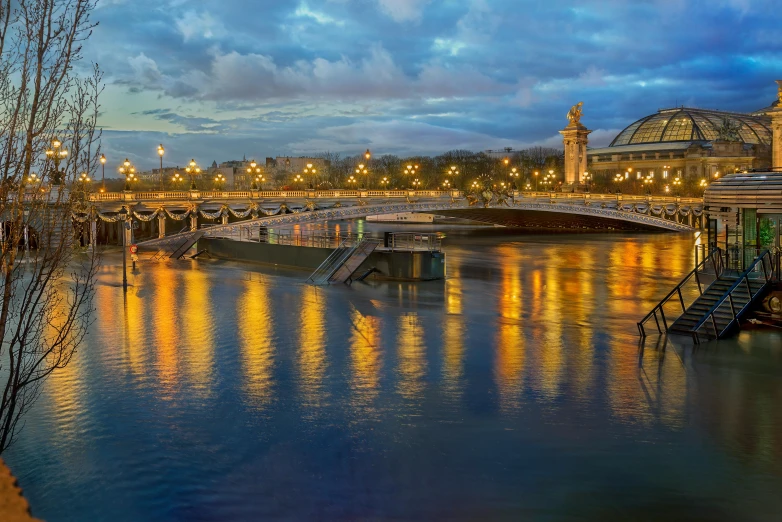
(335,259)
(728,295)
(716,259)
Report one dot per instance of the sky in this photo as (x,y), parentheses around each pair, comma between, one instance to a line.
(224,79)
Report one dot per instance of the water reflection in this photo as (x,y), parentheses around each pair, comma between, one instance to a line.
(312,345)
(365,361)
(257,341)
(199,328)
(411,356)
(529,332)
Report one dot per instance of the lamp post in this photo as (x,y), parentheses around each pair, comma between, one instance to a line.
(384,182)
(219,181)
(416,184)
(446,184)
(410,170)
(587,180)
(254,170)
(176,179)
(298,180)
(536,180)
(362,169)
(129,171)
(367,155)
(677,183)
(103,173)
(193,170)
(513,175)
(160,152)
(352,181)
(703,184)
(258,182)
(310,170)
(57,153)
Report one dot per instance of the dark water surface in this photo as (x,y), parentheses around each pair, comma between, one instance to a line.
(515,390)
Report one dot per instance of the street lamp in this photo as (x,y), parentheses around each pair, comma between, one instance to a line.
(129,171)
(703,184)
(677,183)
(193,170)
(587,180)
(103,173)
(352,181)
(475,185)
(254,169)
(219,181)
(84,178)
(536,180)
(454,171)
(298,179)
(416,184)
(160,152)
(384,182)
(57,153)
(362,169)
(514,173)
(446,184)
(367,155)
(33,178)
(176,179)
(410,170)
(309,170)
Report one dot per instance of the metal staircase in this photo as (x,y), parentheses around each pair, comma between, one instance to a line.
(174,247)
(343,262)
(716,312)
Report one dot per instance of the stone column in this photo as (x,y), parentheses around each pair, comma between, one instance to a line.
(776,129)
(194,220)
(161,225)
(575,139)
(93,233)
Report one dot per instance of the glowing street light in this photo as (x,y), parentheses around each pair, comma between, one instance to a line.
(367,155)
(103,173)
(352,181)
(129,171)
(219,181)
(384,182)
(193,170)
(160,152)
(57,153)
(254,170)
(176,179)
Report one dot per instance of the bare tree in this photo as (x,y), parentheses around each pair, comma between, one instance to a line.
(45,285)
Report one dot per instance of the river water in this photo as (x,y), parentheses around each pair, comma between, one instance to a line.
(515,390)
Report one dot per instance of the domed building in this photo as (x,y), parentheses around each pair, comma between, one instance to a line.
(688,143)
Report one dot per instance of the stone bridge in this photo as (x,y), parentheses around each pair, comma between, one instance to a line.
(230,213)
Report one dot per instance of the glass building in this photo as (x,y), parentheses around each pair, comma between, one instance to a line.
(687,143)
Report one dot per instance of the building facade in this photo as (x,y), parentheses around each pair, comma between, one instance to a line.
(687,143)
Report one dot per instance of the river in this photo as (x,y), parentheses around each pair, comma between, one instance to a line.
(514,390)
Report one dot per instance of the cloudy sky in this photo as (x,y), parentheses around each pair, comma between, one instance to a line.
(219,79)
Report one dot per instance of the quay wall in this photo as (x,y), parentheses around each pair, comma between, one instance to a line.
(13,506)
(395,266)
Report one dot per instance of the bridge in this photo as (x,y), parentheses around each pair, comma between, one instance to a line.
(231,213)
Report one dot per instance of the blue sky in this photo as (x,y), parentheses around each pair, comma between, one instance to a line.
(216,80)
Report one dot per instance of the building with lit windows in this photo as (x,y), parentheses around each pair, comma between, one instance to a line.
(686,143)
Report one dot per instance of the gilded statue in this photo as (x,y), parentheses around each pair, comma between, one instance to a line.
(574,114)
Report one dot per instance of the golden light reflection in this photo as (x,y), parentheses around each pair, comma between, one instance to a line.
(412,356)
(365,359)
(256,325)
(166,330)
(510,353)
(555,310)
(199,329)
(453,355)
(136,328)
(312,345)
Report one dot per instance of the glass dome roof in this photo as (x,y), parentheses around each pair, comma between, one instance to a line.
(693,124)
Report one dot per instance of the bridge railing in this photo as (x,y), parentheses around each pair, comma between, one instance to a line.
(387,194)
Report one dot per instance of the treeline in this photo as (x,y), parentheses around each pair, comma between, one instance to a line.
(459,167)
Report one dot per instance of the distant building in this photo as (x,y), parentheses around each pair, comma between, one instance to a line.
(688,143)
(295,165)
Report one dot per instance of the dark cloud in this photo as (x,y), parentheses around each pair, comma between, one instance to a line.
(285,75)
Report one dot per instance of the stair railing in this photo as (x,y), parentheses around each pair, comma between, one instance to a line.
(332,263)
(767,264)
(715,259)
